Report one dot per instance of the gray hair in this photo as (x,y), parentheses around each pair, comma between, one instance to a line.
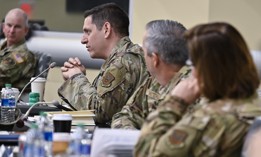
(165,37)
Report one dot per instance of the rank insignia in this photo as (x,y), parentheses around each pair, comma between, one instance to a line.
(107,79)
(178,137)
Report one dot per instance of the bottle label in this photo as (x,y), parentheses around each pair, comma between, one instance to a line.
(48,136)
(5,103)
(12,102)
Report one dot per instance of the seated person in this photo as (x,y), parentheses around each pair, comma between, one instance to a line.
(224,73)
(165,54)
(106,36)
(17,63)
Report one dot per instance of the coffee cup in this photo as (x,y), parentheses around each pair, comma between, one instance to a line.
(60,143)
(38,86)
(62,123)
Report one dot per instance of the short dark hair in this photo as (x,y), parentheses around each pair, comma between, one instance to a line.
(222,61)
(112,13)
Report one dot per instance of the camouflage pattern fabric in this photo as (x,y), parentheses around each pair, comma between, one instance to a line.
(17,65)
(145,100)
(118,78)
(214,129)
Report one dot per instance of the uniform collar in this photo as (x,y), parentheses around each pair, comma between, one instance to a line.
(18,45)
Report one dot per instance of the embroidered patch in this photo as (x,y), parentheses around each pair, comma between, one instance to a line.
(18,58)
(178,137)
(107,79)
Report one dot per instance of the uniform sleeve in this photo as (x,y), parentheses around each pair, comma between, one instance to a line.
(109,95)
(132,114)
(166,134)
(145,100)
(16,66)
(156,125)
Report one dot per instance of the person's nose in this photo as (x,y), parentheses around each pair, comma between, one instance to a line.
(84,40)
(12,29)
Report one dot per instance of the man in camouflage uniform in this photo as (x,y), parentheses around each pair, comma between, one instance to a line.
(106,37)
(216,128)
(165,55)
(16,61)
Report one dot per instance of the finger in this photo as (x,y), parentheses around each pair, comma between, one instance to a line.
(78,61)
(68,65)
(64,69)
(72,61)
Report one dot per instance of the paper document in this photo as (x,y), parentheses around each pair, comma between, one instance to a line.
(114,142)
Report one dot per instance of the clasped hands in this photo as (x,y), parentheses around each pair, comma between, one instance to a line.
(72,67)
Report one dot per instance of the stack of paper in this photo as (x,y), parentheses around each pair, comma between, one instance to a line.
(114,142)
(84,117)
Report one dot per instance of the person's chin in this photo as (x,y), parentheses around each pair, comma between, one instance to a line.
(92,55)
(11,41)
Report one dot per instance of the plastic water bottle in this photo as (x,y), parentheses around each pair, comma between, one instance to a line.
(21,145)
(8,104)
(81,142)
(34,145)
(46,128)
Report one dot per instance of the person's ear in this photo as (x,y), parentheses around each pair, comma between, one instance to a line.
(107,29)
(26,30)
(155,59)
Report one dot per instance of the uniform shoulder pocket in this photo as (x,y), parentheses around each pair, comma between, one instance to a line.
(112,77)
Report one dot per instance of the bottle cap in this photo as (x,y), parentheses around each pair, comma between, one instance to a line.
(44,114)
(8,85)
(34,95)
(34,126)
(33,98)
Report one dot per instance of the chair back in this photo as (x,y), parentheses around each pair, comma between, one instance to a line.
(43,62)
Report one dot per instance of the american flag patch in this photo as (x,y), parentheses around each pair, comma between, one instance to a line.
(18,58)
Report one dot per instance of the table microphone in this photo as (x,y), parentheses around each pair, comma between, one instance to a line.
(52,65)
(20,121)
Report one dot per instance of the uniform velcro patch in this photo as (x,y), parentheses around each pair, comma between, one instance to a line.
(178,137)
(107,79)
(18,58)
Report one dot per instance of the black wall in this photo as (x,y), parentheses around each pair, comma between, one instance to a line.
(79,6)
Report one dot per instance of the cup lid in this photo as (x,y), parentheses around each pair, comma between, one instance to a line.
(62,117)
(39,79)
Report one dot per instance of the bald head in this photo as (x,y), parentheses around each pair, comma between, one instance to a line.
(15,26)
(19,14)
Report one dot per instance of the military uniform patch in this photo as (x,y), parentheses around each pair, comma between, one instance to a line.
(178,137)
(18,58)
(107,79)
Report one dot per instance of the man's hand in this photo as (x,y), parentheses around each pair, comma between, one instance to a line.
(71,67)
